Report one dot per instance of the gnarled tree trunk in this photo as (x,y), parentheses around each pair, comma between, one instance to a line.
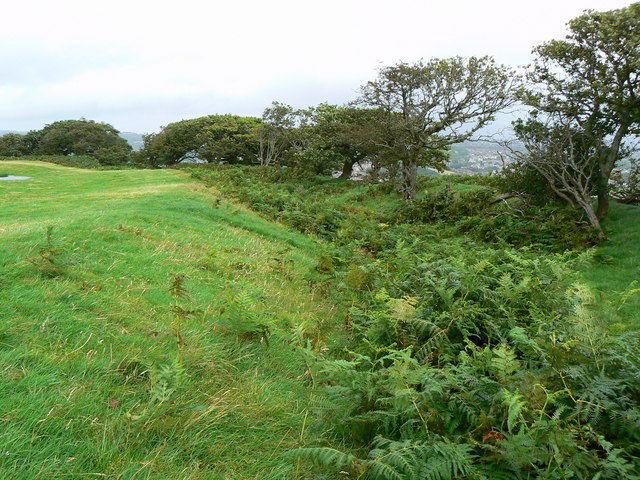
(409,178)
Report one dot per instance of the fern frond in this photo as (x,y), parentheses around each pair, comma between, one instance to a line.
(324,457)
(516,406)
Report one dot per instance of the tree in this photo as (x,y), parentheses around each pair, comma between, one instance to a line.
(13,145)
(213,139)
(592,78)
(429,106)
(81,137)
(275,133)
(346,135)
(565,157)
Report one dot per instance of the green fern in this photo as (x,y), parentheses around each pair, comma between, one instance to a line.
(515,406)
(324,457)
(242,317)
(165,381)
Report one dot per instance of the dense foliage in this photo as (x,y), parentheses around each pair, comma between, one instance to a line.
(70,138)
(13,145)
(428,106)
(459,358)
(336,138)
(480,364)
(591,81)
(345,211)
(84,138)
(215,138)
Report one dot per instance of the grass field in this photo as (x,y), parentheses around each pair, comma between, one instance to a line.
(615,272)
(90,386)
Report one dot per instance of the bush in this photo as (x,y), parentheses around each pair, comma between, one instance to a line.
(521,178)
(479,363)
(444,205)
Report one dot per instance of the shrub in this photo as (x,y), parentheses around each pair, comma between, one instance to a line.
(480,363)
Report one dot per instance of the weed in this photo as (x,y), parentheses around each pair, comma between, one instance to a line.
(179,292)
(49,261)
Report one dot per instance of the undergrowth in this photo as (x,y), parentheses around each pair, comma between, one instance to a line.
(470,350)
(344,211)
(478,363)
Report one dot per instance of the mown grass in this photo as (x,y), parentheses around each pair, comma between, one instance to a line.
(615,271)
(86,345)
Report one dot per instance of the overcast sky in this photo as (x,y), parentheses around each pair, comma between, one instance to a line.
(141,64)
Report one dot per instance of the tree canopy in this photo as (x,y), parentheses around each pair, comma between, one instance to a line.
(592,78)
(212,139)
(429,106)
(70,137)
(278,132)
(82,137)
(13,145)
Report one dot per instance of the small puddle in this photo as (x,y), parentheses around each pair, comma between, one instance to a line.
(14,177)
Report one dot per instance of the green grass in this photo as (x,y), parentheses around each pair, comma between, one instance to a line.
(87,338)
(616,266)
(89,387)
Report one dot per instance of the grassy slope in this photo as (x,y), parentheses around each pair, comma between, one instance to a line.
(617,264)
(76,350)
(70,401)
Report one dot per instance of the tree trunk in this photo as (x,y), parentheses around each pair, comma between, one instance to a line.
(606,167)
(594,220)
(409,178)
(347,169)
(607,162)
(603,204)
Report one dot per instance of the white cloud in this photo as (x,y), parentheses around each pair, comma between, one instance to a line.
(141,64)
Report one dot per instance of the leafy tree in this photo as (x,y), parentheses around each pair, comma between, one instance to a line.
(593,79)
(429,106)
(214,138)
(345,135)
(318,139)
(81,137)
(276,134)
(13,145)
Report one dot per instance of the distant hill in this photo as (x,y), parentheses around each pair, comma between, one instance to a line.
(134,139)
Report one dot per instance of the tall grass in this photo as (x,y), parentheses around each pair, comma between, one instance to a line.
(88,383)
(615,272)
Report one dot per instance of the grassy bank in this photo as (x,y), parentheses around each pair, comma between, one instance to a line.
(90,385)
(150,329)
(615,271)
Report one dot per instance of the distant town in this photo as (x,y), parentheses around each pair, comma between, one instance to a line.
(474,158)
